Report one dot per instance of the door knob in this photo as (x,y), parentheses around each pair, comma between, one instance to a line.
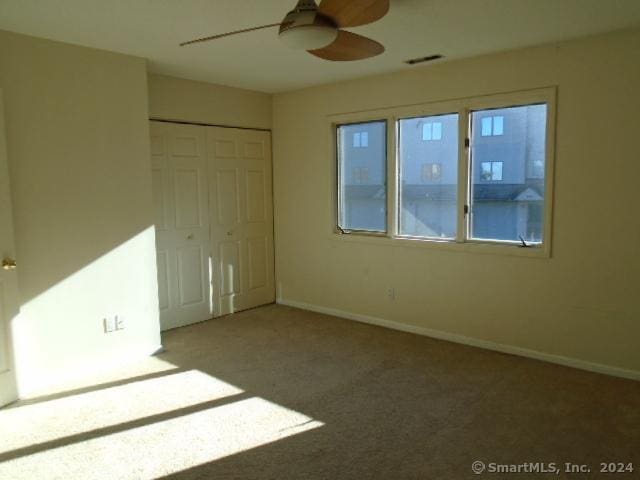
(9,264)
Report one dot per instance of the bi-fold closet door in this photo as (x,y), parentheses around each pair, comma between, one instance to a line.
(214,221)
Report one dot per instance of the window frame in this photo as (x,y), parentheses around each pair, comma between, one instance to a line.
(464,107)
(491,164)
(429,177)
(492,126)
(431,131)
(398,176)
(338,177)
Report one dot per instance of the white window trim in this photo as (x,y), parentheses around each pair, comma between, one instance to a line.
(463,107)
(336,177)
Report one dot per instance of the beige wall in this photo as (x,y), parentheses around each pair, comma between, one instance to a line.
(582,303)
(178,99)
(77,135)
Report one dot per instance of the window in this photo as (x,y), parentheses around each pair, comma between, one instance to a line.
(361,139)
(362,189)
(479,183)
(492,126)
(431,172)
(428,199)
(535,167)
(507,189)
(491,171)
(360,175)
(432,131)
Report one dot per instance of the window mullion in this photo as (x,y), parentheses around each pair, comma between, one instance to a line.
(463,173)
(392,177)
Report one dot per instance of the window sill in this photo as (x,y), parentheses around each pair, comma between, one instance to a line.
(472,247)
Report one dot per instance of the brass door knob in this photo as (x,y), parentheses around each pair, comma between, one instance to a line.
(9,264)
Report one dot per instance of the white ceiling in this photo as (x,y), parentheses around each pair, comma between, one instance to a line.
(258,61)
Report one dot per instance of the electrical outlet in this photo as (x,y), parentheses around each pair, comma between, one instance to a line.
(109,324)
(119,321)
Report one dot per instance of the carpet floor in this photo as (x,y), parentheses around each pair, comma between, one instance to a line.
(281,393)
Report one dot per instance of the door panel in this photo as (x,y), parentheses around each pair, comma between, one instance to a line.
(182,223)
(163,279)
(187,198)
(254,150)
(185,146)
(229,273)
(228,201)
(190,260)
(224,148)
(9,300)
(242,218)
(257,248)
(159,209)
(256,198)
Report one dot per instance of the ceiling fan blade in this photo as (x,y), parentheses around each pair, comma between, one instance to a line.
(349,46)
(215,37)
(353,13)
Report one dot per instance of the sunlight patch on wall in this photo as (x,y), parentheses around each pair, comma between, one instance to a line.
(59,334)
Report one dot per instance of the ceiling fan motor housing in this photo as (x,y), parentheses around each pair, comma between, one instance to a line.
(319,29)
(305,29)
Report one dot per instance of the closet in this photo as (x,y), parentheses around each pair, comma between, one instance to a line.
(213,214)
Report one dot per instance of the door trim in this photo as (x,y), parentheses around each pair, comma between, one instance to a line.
(203,124)
(8,378)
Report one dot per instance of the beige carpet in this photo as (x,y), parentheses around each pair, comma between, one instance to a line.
(279,393)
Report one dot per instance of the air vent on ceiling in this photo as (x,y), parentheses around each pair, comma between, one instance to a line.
(431,58)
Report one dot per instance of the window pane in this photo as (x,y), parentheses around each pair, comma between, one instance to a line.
(497,172)
(498,125)
(507,197)
(356,139)
(426,131)
(363,177)
(485,173)
(437,131)
(486,127)
(429,178)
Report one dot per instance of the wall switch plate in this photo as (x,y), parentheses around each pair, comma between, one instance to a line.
(119,322)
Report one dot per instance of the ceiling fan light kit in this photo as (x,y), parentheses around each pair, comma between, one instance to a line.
(307,30)
(319,29)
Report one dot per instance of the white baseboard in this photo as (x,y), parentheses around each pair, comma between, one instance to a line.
(474,342)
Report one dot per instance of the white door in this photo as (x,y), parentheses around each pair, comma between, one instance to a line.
(240,195)
(178,155)
(9,302)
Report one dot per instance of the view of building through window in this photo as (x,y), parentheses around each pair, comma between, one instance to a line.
(432,131)
(491,171)
(429,177)
(493,126)
(507,174)
(361,139)
(362,153)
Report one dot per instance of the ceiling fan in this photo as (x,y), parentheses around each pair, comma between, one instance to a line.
(319,29)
